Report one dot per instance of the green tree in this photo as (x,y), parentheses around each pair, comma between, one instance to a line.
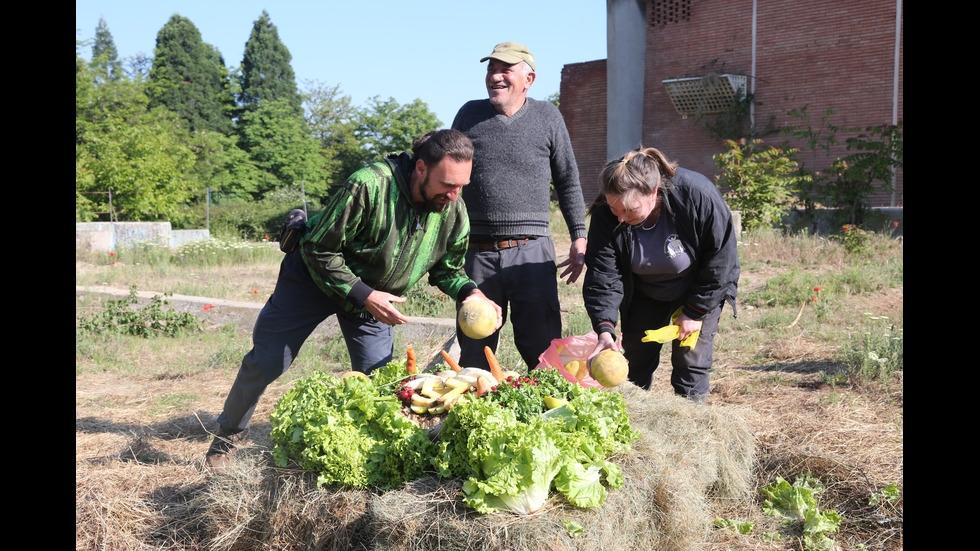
(279,142)
(220,164)
(137,153)
(105,57)
(848,181)
(333,121)
(189,77)
(877,153)
(266,73)
(386,127)
(351,137)
(84,90)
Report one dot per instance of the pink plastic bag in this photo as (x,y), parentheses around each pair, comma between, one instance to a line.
(568,349)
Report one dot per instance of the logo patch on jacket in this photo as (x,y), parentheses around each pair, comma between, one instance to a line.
(673,246)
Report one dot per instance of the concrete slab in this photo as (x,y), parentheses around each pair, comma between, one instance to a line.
(418,329)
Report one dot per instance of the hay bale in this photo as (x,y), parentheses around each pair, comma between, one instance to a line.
(255,505)
(688,455)
(715,443)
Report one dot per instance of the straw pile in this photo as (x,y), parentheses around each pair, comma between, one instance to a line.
(688,456)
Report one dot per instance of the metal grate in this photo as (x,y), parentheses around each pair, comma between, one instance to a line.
(704,95)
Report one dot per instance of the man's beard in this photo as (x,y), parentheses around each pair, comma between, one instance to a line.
(431,204)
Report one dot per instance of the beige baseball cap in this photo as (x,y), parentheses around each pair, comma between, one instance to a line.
(512,52)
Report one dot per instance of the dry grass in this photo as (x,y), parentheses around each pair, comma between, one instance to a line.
(141,434)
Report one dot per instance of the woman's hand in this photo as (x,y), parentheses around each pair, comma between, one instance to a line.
(606,341)
(686,326)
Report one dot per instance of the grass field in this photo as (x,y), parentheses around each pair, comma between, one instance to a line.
(814,359)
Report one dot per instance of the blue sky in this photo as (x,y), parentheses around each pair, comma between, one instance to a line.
(427,49)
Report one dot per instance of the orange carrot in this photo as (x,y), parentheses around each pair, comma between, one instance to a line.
(450,361)
(494,365)
(410,365)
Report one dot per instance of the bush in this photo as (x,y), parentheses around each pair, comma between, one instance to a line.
(118,316)
(243,217)
(854,239)
(760,180)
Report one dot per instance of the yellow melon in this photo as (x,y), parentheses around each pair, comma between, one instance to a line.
(353,374)
(477,318)
(577,368)
(610,368)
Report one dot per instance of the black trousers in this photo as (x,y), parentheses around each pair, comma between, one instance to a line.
(689,376)
(523,281)
(295,309)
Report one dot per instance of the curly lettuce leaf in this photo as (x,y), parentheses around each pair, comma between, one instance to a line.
(387,376)
(597,421)
(581,485)
(348,433)
(798,501)
(507,465)
(512,466)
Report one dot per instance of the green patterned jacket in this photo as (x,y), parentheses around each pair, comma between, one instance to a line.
(371,237)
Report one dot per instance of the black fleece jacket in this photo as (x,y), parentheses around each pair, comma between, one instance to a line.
(704,225)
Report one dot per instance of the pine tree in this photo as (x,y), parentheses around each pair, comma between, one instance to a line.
(189,77)
(105,58)
(280,143)
(266,71)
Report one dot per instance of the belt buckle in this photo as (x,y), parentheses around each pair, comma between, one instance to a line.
(509,243)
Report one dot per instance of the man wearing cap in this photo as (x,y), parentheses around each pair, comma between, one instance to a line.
(522,148)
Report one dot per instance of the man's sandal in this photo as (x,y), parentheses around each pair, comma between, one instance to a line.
(223,448)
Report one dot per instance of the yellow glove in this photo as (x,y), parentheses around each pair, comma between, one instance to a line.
(671,332)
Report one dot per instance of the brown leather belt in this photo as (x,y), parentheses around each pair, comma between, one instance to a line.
(497,245)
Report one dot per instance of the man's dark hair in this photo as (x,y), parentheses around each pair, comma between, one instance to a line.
(433,146)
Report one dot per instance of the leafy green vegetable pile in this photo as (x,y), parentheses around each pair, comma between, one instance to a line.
(508,448)
(348,432)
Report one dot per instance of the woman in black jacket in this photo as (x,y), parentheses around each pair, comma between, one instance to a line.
(661,244)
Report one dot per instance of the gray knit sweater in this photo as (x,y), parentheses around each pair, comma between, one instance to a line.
(516,159)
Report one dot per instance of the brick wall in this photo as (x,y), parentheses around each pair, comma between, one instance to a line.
(582,102)
(833,55)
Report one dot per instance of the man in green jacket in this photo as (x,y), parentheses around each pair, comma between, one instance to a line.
(389,225)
